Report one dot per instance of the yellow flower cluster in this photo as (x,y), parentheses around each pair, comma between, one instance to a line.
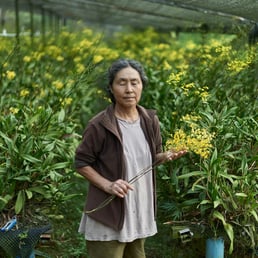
(97,59)
(37,56)
(237,65)
(27,59)
(106,53)
(66,101)
(175,77)
(58,85)
(24,93)
(14,110)
(197,141)
(53,51)
(10,75)
(166,65)
(190,118)
(204,94)
(188,89)
(80,68)
(223,50)
(190,45)
(60,58)
(88,32)
(85,44)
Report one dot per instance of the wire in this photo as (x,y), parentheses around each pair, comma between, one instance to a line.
(140,174)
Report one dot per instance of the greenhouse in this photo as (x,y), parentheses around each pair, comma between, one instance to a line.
(200,68)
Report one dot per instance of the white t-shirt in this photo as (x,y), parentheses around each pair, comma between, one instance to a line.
(139,219)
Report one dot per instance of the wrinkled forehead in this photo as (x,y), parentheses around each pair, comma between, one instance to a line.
(127,73)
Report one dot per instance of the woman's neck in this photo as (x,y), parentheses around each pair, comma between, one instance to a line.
(130,114)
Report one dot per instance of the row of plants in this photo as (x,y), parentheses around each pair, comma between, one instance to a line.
(206,96)
(204,88)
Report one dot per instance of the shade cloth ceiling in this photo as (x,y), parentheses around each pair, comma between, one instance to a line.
(165,15)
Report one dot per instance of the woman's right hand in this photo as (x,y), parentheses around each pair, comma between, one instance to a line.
(119,188)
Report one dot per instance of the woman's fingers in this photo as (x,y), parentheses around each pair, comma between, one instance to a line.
(120,188)
(172,155)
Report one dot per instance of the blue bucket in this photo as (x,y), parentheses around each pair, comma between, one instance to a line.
(214,248)
(32,255)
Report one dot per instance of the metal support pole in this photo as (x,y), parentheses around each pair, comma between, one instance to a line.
(51,22)
(2,16)
(17,22)
(31,24)
(64,22)
(57,25)
(43,25)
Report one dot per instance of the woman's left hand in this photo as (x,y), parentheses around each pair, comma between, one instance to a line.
(172,155)
(169,155)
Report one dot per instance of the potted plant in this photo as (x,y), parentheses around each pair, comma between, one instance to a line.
(221,192)
(226,184)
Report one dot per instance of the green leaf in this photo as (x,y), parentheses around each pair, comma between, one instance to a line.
(29,194)
(197,185)
(208,116)
(254,213)
(214,157)
(217,203)
(20,201)
(22,178)
(30,158)
(69,197)
(228,228)
(9,142)
(191,174)
(49,147)
(59,165)
(241,194)
(230,232)
(2,170)
(55,176)
(205,202)
(42,191)
(229,135)
(190,202)
(227,176)
(61,115)
(4,200)
(165,177)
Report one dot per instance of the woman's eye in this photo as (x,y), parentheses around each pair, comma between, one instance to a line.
(132,83)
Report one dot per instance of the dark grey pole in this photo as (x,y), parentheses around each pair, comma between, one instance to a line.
(17,21)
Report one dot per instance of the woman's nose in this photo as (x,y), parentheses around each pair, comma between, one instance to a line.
(129,87)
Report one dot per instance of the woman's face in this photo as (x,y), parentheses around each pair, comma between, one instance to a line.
(127,87)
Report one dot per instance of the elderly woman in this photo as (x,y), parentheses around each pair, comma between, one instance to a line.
(119,147)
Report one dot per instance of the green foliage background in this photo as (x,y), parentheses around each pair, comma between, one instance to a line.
(49,92)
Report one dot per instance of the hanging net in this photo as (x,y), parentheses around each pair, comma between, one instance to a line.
(21,242)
